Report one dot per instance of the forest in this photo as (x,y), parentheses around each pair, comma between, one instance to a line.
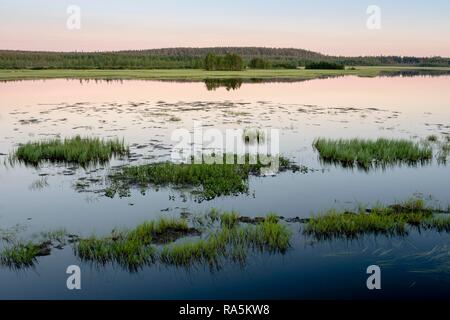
(195,58)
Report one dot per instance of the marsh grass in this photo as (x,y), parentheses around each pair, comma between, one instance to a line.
(133,248)
(207,179)
(231,241)
(138,247)
(229,219)
(444,152)
(367,154)
(20,255)
(394,220)
(77,150)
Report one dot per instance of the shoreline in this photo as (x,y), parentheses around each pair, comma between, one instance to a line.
(201,75)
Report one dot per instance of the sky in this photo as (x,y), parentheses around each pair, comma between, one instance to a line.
(414,27)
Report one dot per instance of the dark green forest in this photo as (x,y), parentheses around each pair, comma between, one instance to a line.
(194,58)
(228,62)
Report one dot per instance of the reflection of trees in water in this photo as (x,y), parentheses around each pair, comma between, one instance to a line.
(229,84)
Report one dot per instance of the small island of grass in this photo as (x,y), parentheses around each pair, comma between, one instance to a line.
(368,153)
(76,150)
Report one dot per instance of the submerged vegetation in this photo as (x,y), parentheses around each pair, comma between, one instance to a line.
(392,220)
(77,150)
(372,153)
(208,179)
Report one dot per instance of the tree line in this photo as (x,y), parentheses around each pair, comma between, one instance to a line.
(235,58)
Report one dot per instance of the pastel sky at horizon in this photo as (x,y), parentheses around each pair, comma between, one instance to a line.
(419,28)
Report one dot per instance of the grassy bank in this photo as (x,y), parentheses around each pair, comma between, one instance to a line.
(199,75)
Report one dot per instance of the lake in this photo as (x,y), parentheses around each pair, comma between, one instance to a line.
(146,113)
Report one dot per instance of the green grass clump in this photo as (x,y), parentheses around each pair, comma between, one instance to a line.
(77,150)
(229,219)
(20,255)
(391,220)
(134,248)
(370,153)
(209,180)
(230,241)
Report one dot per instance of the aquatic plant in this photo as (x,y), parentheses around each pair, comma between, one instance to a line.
(138,247)
(133,248)
(230,241)
(371,153)
(229,219)
(443,153)
(387,220)
(206,179)
(21,255)
(77,150)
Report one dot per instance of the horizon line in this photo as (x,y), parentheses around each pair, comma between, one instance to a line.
(217,47)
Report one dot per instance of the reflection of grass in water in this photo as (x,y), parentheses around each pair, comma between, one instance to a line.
(82,151)
(210,179)
(369,153)
(39,184)
(392,220)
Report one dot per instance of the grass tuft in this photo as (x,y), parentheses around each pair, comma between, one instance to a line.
(20,255)
(230,241)
(367,154)
(134,248)
(391,220)
(208,180)
(77,150)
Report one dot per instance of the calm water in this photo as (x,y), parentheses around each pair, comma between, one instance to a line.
(142,112)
